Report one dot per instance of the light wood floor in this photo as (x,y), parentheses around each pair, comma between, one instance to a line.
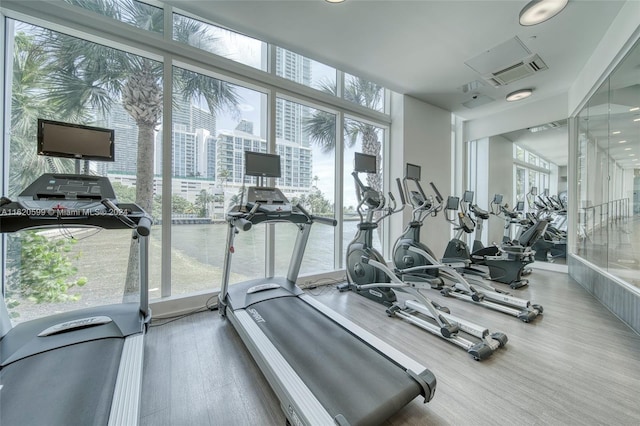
(576,365)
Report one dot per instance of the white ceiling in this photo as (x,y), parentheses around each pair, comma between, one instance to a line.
(419,48)
(549,142)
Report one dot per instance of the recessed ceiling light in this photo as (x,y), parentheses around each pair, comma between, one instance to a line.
(632,155)
(334,1)
(634,109)
(519,95)
(636,119)
(635,159)
(622,142)
(537,11)
(617,132)
(628,149)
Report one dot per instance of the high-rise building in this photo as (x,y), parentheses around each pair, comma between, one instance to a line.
(125,141)
(290,115)
(192,132)
(198,154)
(295,159)
(230,148)
(295,165)
(245,126)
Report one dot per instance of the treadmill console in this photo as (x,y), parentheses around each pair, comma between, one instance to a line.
(66,194)
(270,201)
(70,200)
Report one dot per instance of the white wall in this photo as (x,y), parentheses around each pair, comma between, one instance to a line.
(500,181)
(424,133)
(531,113)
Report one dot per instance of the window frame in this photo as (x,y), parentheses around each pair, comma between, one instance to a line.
(90,26)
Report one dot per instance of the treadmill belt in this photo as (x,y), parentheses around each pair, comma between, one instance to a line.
(345,374)
(72,385)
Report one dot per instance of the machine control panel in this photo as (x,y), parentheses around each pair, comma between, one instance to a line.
(270,201)
(67,194)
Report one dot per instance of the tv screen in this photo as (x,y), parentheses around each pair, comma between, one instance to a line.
(413,171)
(365,163)
(520,206)
(58,139)
(497,199)
(452,203)
(534,190)
(467,197)
(261,164)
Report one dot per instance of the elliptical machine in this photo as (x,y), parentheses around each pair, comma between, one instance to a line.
(415,262)
(553,243)
(369,276)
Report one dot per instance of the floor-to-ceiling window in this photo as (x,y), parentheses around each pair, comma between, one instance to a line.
(532,179)
(59,77)
(368,139)
(219,108)
(214,122)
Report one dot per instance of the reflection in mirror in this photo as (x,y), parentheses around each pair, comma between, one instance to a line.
(538,163)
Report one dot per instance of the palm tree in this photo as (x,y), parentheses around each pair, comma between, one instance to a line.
(321,126)
(88,76)
(223,177)
(28,103)
(238,198)
(203,200)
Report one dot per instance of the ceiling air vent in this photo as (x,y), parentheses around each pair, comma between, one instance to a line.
(524,68)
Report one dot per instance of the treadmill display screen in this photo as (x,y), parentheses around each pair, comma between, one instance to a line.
(365,163)
(497,199)
(261,164)
(413,171)
(468,197)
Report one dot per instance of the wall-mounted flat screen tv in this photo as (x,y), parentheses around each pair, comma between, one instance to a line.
(261,164)
(468,197)
(413,171)
(58,139)
(365,163)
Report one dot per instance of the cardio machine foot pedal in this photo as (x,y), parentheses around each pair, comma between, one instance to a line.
(501,338)
(519,284)
(343,287)
(480,351)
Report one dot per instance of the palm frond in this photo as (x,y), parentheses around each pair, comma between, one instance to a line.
(321,128)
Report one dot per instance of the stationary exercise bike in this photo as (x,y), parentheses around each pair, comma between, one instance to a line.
(506,262)
(416,263)
(369,276)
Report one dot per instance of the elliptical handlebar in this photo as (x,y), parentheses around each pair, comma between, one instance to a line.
(423,206)
(376,201)
(439,198)
(401,192)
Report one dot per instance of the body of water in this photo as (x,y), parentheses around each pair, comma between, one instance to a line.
(207,245)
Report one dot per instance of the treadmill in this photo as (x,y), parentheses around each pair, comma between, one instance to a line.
(324,368)
(82,367)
